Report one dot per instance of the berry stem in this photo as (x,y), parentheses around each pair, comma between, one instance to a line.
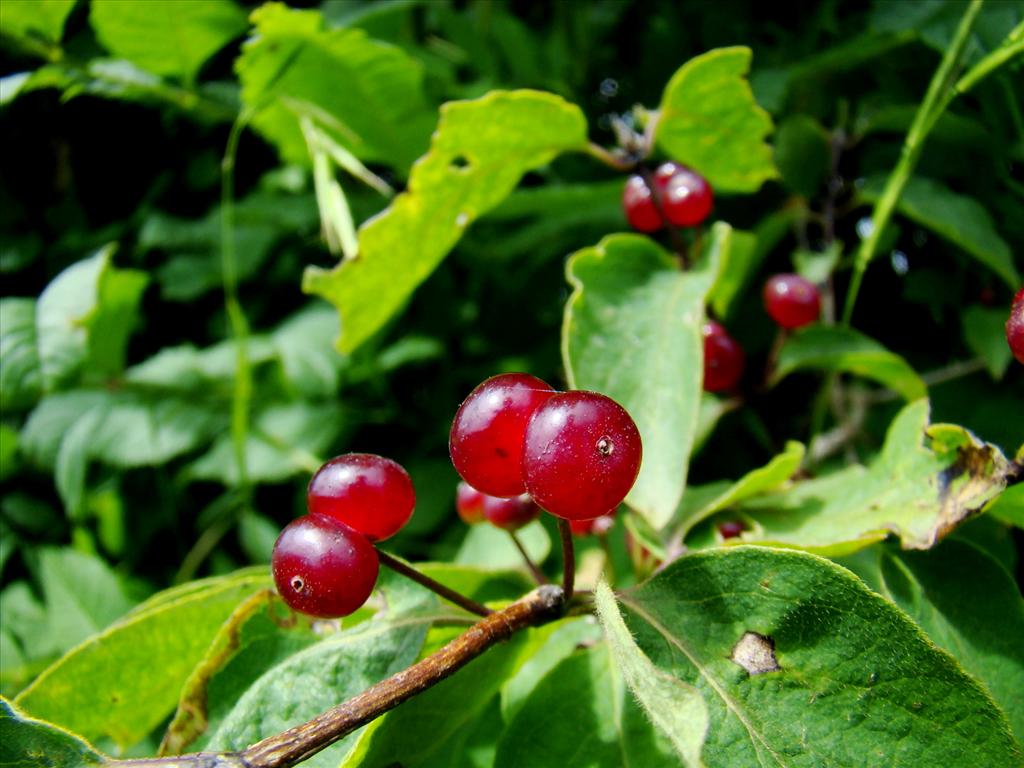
(422,579)
(537,573)
(568,558)
(614,160)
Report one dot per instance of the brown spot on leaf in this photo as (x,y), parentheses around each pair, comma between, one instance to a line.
(978,473)
(755,653)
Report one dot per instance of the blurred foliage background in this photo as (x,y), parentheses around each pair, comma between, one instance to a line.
(117,465)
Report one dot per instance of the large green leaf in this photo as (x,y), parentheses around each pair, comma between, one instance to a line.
(924,482)
(26,742)
(833,348)
(960,219)
(35,18)
(21,380)
(632,331)
(490,547)
(985,333)
(366,94)
(124,681)
(166,37)
(966,603)
(800,664)
(708,119)
(478,154)
(673,706)
(581,715)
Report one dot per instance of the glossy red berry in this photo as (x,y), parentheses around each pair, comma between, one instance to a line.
(792,301)
(469,503)
(486,441)
(510,514)
(1015,327)
(638,203)
(685,196)
(322,567)
(368,493)
(723,358)
(599,526)
(731,529)
(581,455)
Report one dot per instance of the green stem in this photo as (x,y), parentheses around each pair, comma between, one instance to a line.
(237,323)
(934,102)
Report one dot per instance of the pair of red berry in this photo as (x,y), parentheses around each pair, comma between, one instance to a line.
(576,454)
(675,195)
(325,563)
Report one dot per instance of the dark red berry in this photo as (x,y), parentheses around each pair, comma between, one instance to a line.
(792,301)
(510,514)
(469,503)
(581,455)
(599,526)
(368,493)
(486,442)
(1015,327)
(322,567)
(639,206)
(730,529)
(723,358)
(685,196)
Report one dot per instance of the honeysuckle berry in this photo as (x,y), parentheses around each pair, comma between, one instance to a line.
(322,567)
(1015,327)
(685,196)
(723,358)
(510,514)
(599,526)
(486,441)
(469,503)
(369,493)
(731,529)
(792,301)
(581,455)
(639,206)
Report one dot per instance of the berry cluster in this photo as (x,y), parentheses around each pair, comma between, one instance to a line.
(324,563)
(676,195)
(575,454)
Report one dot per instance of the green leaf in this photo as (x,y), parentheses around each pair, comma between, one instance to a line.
(36,18)
(800,664)
(340,666)
(985,334)
(923,484)
(802,154)
(21,380)
(966,603)
(491,547)
(677,708)
(166,37)
(959,219)
(367,95)
(27,742)
(708,120)
(818,266)
(8,457)
(303,342)
(581,715)
(632,332)
(1009,506)
(700,502)
(124,681)
(111,324)
(844,350)
(478,154)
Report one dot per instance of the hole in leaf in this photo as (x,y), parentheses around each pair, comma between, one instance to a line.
(460,164)
(755,653)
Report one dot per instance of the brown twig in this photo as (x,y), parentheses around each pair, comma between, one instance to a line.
(303,741)
(537,573)
(447,593)
(568,558)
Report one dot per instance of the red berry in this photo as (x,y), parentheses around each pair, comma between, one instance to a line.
(723,358)
(486,442)
(469,503)
(581,455)
(322,567)
(792,301)
(368,493)
(731,529)
(510,514)
(685,196)
(1015,327)
(638,203)
(599,526)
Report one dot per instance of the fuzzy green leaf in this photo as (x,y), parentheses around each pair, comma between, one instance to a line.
(478,154)
(800,664)
(124,681)
(833,348)
(29,743)
(709,120)
(632,332)
(21,379)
